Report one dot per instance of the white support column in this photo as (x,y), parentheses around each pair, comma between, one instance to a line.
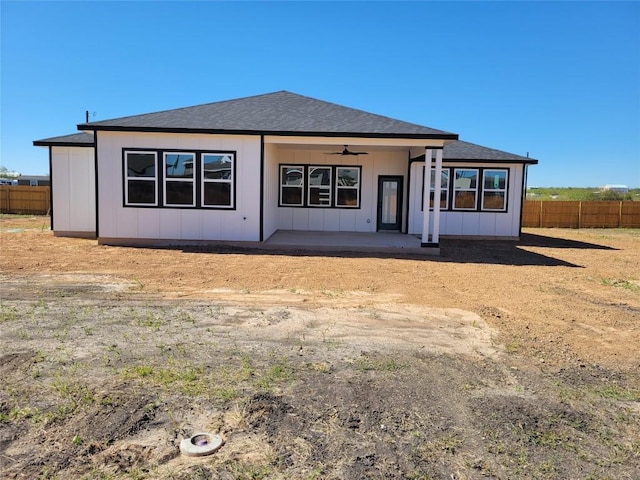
(425,200)
(435,237)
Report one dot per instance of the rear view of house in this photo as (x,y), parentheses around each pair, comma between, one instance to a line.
(242,170)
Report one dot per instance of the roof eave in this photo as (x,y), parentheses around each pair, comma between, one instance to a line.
(526,161)
(116,128)
(45,143)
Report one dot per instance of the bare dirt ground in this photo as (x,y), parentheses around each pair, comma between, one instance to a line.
(496,360)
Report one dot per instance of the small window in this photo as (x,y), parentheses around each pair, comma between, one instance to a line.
(465,189)
(494,191)
(444,189)
(179,180)
(141,179)
(291,185)
(217,180)
(319,193)
(348,187)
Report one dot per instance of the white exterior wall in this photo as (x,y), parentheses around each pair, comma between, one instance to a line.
(73,191)
(363,219)
(119,222)
(271,180)
(478,224)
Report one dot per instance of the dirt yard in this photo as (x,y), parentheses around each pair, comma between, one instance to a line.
(495,360)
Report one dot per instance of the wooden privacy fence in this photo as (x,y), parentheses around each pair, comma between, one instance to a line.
(578,214)
(24,199)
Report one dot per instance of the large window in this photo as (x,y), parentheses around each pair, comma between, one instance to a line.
(494,190)
(217,180)
(465,189)
(319,186)
(181,179)
(472,189)
(141,178)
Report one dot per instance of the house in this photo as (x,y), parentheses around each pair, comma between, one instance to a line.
(615,188)
(34,180)
(242,170)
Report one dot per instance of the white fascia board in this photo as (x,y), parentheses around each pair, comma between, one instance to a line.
(356,141)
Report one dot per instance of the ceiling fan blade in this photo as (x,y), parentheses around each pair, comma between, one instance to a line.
(346,151)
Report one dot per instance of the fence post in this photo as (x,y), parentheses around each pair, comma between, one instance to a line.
(580,215)
(540,215)
(620,215)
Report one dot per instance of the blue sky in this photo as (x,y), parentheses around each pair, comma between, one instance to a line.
(560,80)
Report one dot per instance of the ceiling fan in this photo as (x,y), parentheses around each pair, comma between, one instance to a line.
(346,151)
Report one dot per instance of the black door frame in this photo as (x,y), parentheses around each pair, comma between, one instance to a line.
(388,226)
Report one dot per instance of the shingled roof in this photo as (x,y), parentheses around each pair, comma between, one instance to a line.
(470,151)
(279,113)
(460,150)
(81,139)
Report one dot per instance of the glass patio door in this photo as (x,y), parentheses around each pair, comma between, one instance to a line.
(389,203)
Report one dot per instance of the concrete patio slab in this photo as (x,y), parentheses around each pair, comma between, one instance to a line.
(379,242)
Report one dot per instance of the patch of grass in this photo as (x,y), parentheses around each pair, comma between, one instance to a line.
(8,313)
(247,471)
(95,474)
(615,392)
(18,413)
(186,379)
(367,364)
(185,317)
(626,284)
(226,394)
(447,444)
(321,367)
(246,369)
(79,394)
(150,320)
(280,372)
(512,347)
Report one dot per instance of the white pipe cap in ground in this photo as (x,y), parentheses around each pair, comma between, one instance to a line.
(200,444)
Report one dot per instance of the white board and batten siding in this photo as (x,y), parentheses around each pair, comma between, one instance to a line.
(271,191)
(362,219)
(466,223)
(74,197)
(198,224)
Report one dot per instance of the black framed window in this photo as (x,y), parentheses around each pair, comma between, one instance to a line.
(494,189)
(465,188)
(218,179)
(181,179)
(141,178)
(470,189)
(347,187)
(320,186)
(291,185)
